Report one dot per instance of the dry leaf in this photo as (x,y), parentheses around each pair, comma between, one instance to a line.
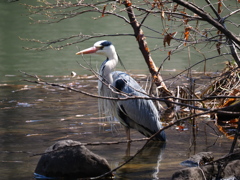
(219,6)
(185,19)
(175,7)
(167,39)
(186,34)
(103,11)
(128,3)
(169,54)
(169,17)
(229,101)
(162,14)
(218,46)
(205,34)
(158,3)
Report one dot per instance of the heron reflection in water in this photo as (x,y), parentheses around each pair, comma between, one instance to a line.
(146,164)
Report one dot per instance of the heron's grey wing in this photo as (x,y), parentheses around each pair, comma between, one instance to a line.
(140,114)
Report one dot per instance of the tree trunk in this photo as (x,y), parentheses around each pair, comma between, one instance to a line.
(141,39)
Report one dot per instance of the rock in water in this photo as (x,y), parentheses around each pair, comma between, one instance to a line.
(70,159)
(227,167)
(193,173)
(198,159)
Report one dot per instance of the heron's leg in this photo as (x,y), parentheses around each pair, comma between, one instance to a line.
(128,149)
(127,130)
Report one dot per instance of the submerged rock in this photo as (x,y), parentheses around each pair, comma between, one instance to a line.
(70,159)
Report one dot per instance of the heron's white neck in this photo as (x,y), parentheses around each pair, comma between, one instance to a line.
(109,65)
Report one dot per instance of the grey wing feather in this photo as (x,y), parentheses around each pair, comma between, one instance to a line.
(139,114)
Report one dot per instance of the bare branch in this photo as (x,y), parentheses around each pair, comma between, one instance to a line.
(83,38)
(124,98)
(209,19)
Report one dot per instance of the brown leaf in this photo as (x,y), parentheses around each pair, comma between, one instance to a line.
(128,3)
(153,5)
(186,34)
(175,7)
(157,3)
(169,17)
(235,92)
(103,11)
(169,54)
(229,101)
(167,39)
(219,6)
(185,19)
(205,34)
(218,46)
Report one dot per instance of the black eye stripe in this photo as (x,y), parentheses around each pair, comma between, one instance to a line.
(106,43)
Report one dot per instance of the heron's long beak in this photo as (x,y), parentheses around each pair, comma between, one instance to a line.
(87,51)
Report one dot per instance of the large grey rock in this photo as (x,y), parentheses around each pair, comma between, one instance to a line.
(232,169)
(69,158)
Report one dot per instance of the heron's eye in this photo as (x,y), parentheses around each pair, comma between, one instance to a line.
(101,47)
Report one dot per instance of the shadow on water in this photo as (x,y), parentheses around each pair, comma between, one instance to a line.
(33,117)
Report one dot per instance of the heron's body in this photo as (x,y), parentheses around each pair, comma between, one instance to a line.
(139,114)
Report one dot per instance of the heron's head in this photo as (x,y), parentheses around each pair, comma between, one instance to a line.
(101,47)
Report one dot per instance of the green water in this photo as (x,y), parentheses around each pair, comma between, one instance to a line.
(15,24)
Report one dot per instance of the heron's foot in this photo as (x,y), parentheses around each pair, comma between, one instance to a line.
(127,130)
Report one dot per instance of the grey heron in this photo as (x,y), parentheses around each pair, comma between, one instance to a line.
(139,114)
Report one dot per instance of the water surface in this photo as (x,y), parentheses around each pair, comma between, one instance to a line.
(33,117)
